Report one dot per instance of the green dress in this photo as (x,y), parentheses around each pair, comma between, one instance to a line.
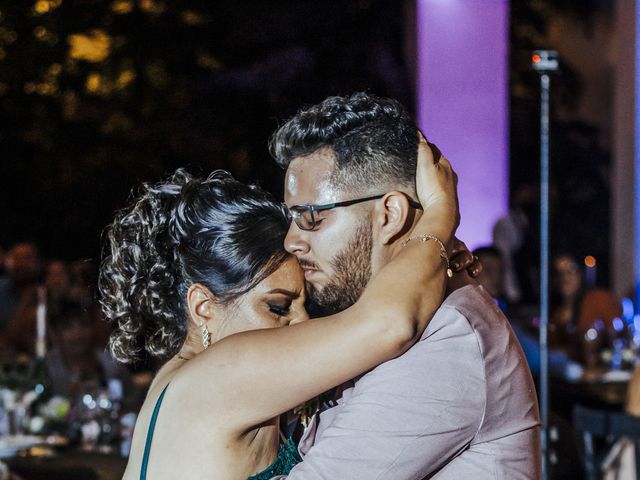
(286,459)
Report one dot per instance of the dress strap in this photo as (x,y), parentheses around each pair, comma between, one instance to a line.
(152,426)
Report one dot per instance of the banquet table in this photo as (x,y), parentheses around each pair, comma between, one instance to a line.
(597,388)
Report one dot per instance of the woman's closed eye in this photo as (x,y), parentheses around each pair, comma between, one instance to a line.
(280,310)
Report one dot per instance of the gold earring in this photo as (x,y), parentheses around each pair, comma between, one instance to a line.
(206,336)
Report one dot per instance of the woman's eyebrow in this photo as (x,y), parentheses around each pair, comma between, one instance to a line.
(284,291)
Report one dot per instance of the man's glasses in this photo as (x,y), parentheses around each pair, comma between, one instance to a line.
(306,217)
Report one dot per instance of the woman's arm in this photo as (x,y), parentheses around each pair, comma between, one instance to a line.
(248,378)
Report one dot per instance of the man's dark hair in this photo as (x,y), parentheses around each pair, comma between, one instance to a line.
(374,140)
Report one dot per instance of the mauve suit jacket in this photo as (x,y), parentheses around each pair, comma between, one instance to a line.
(460,404)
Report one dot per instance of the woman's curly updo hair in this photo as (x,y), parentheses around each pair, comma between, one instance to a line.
(218,232)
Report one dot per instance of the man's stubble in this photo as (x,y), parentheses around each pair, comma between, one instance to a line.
(351,273)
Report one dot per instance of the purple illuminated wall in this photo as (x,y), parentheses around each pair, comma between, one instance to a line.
(462,77)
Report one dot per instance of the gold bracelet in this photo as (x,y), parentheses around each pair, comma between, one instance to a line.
(443,251)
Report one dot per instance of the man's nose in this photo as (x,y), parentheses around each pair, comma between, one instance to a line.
(295,242)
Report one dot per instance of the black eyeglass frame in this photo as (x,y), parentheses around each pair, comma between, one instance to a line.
(296,211)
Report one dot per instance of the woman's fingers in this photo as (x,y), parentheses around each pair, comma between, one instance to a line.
(475,268)
(462,259)
(435,179)
(437,154)
(436,190)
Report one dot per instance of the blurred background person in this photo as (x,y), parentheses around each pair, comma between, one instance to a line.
(57,279)
(77,362)
(514,236)
(82,288)
(18,296)
(492,278)
(83,276)
(582,321)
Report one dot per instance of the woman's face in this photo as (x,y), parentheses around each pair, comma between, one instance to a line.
(568,276)
(277,301)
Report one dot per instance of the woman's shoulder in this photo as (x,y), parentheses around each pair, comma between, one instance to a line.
(181,381)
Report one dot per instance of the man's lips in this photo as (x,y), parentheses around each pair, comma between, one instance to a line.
(307,265)
(309,273)
(309,269)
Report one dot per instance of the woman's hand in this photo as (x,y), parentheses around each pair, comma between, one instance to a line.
(436,184)
(462,259)
(465,267)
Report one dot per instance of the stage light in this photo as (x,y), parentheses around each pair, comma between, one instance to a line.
(545,61)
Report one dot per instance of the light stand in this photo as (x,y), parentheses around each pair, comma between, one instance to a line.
(544,62)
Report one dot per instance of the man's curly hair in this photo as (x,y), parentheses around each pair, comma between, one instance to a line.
(374,141)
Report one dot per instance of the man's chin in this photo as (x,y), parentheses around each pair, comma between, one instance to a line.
(322,302)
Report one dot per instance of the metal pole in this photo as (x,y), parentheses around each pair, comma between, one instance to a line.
(544,268)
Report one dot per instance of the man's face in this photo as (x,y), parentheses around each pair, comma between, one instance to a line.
(336,254)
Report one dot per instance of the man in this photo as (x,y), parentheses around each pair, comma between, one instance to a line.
(460,403)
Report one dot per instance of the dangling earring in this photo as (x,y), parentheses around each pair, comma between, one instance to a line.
(206,335)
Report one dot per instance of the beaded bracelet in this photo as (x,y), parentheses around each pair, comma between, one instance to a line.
(443,251)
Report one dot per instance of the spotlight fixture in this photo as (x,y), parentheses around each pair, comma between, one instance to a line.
(545,61)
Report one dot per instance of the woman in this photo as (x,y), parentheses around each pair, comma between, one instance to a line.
(197,270)
(582,320)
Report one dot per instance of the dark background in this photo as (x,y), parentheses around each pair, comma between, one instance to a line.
(203,84)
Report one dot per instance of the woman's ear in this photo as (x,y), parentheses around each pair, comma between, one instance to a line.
(202,304)
(394,215)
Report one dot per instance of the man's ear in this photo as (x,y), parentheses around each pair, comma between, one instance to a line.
(394,216)
(202,305)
